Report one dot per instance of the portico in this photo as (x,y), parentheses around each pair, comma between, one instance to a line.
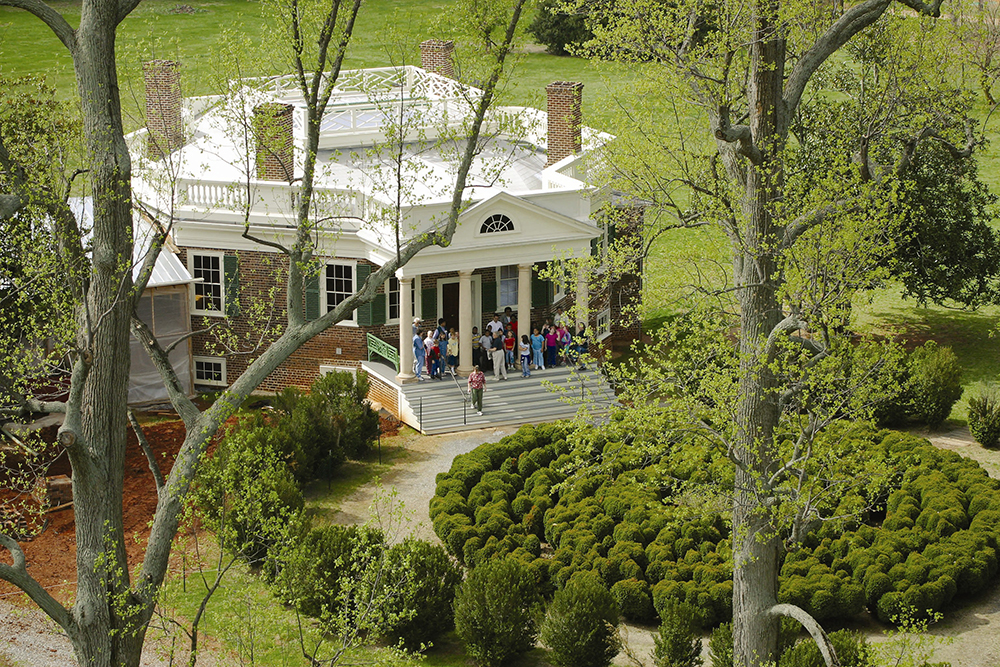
(492,263)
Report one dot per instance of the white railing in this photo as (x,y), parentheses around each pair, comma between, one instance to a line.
(274,199)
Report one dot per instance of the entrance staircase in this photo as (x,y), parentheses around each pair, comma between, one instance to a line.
(440,406)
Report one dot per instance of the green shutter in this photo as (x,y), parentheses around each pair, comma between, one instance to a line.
(595,246)
(312,297)
(612,232)
(363,314)
(489,299)
(378,310)
(541,292)
(231,267)
(429,305)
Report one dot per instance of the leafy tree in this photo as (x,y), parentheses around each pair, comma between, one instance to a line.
(557,29)
(677,644)
(108,620)
(802,188)
(496,611)
(580,625)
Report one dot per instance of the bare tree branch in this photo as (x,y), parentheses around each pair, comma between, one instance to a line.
(853,21)
(187,410)
(807,221)
(49,17)
(739,134)
(17,574)
(814,629)
(147,450)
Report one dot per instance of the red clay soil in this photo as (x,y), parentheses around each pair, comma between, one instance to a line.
(51,556)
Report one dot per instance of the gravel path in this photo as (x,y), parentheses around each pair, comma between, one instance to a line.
(414,477)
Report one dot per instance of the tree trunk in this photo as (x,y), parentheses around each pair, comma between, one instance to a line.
(104,631)
(756,544)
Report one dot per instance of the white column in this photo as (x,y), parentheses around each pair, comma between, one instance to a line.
(465,322)
(523,301)
(582,307)
(405,330)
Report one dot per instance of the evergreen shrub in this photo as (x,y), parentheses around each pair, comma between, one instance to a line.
(936,381)
(984,417)
(580,626)
(496,611)
(677,643)
(852,650)
(558,29)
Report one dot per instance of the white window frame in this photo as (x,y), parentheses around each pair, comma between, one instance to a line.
(512,230)
(605,316)
(211,360)
(221,256)
(399,305)
(323,309)
(500,304)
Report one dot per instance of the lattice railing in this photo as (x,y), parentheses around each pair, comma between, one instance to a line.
(378,346)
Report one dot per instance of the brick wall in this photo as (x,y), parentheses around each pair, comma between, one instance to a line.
(163,106)
(565,118)
(384,393)
(272,128)
(258,272)
(437,55)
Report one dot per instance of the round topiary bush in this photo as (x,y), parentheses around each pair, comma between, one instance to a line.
(929,537)
(579,628)
(496,610)
(852,650)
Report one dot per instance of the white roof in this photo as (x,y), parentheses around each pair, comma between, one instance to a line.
(168,269)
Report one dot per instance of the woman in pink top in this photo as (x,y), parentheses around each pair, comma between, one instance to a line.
(477,385)
(551,342)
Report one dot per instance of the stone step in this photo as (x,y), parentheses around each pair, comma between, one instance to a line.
(510,402)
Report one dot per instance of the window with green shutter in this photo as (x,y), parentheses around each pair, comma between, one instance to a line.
(489,299)
(312,297)
(231,267)
(363,314)
(541,292)
(429,304)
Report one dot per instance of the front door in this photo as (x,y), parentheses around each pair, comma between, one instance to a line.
(449,304)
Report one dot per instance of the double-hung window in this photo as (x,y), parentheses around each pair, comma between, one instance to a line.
(392,299)
(209,290)
(338,285)
(508,286)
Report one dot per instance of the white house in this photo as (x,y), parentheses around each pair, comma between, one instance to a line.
(530,206)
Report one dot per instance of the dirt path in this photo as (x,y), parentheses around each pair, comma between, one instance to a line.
(414,477)
(974,630)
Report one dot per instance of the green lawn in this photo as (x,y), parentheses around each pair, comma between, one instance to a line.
(219,36)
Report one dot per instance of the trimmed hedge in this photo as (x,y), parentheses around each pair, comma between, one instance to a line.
(936,541)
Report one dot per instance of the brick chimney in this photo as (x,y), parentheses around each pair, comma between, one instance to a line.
(563,100)
(436,56)
(163,106)
(272,126)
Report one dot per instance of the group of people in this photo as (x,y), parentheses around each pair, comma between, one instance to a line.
(552,344)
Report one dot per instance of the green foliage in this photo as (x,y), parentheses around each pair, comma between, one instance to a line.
(936,382)
(984,417)
(720,646)
(496,611)
(937,540)
(246,492)
(423,607)
(319,430)
(947,249)
(852,650)
(314,567)
(579,628)
(677,644)
(557,29)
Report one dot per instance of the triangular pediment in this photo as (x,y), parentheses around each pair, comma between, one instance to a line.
(530,223)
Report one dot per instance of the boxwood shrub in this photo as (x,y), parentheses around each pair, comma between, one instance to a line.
(930,538)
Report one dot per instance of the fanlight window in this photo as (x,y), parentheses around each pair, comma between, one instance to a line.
(498,222)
